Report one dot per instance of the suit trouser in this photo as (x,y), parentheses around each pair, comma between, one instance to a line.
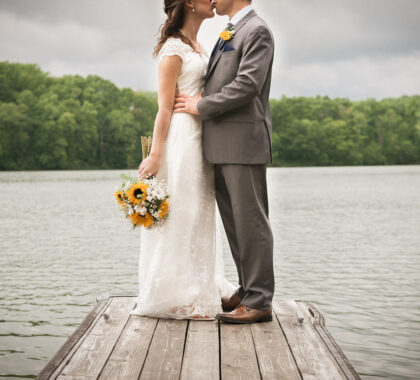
(241,194)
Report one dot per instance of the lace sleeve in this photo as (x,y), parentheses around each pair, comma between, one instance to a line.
(173,46)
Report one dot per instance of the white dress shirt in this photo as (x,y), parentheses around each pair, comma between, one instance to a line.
(241,14)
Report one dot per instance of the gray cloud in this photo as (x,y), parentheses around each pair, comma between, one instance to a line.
(355,49)
(334,30)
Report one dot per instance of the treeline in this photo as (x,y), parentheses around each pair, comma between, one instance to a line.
(324,131)
(73,122)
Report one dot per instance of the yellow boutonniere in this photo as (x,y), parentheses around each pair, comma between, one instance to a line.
(227,35)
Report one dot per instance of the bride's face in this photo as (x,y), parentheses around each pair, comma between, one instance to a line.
(203,8)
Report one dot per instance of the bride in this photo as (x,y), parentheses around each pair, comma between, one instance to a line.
(181,272)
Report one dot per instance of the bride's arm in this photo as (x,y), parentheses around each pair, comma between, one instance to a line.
(168,71)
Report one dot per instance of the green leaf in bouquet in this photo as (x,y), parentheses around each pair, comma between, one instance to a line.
(127,178)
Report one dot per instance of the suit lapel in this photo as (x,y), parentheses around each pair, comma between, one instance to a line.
(216,58)
(236,27)
(213,52)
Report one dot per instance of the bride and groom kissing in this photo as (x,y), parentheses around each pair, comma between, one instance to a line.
(211,144)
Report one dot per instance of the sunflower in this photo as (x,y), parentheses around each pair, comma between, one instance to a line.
(227,35)
(137,192)
(120,197)
(164,207)
(140,220)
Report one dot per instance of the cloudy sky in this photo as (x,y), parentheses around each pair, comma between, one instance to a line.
(341,48)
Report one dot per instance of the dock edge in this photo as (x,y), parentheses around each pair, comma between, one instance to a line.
(318,321)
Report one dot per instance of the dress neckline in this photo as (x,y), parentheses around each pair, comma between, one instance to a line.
(193,50)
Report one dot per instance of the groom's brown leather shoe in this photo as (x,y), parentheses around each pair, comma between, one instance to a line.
(229,304)
(245,314)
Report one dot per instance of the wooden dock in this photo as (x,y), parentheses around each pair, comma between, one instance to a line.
(112,344)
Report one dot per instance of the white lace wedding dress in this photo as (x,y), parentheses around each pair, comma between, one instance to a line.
(181,270)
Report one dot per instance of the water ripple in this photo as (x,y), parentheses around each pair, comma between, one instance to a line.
(346,239)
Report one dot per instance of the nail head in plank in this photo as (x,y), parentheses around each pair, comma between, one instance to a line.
(318,322)
(312,357)
(130,351)
(97,346)
(62,357)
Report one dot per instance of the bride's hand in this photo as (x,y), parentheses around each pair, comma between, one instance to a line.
(149,167)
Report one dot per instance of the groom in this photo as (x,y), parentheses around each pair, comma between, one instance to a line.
(236,138)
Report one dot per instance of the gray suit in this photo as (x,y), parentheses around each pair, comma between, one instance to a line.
(237,138)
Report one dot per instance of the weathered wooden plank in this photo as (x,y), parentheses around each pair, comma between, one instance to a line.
(129,354)
(60,359)
(238,358)
(201,355)
(312,356)
(164,359)
(94,351)
(274,356)
(318,322)
(78,377)
(126,347)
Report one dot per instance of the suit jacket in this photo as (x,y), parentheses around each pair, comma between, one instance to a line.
(235,109)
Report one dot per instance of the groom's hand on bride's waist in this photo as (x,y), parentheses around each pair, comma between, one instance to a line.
(187,103)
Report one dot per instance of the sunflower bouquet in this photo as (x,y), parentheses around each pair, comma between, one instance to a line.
(144,203)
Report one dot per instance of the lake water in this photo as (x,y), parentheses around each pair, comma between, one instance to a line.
(347,239)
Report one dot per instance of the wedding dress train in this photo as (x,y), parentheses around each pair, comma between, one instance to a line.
(181,270)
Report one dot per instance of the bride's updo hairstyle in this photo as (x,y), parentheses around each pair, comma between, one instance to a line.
(175,11)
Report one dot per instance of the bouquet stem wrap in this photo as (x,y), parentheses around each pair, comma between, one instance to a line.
(146,145)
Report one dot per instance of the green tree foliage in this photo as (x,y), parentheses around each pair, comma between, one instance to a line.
(73,122)
(323,131)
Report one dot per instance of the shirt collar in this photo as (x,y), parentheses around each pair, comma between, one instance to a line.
(240,15)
